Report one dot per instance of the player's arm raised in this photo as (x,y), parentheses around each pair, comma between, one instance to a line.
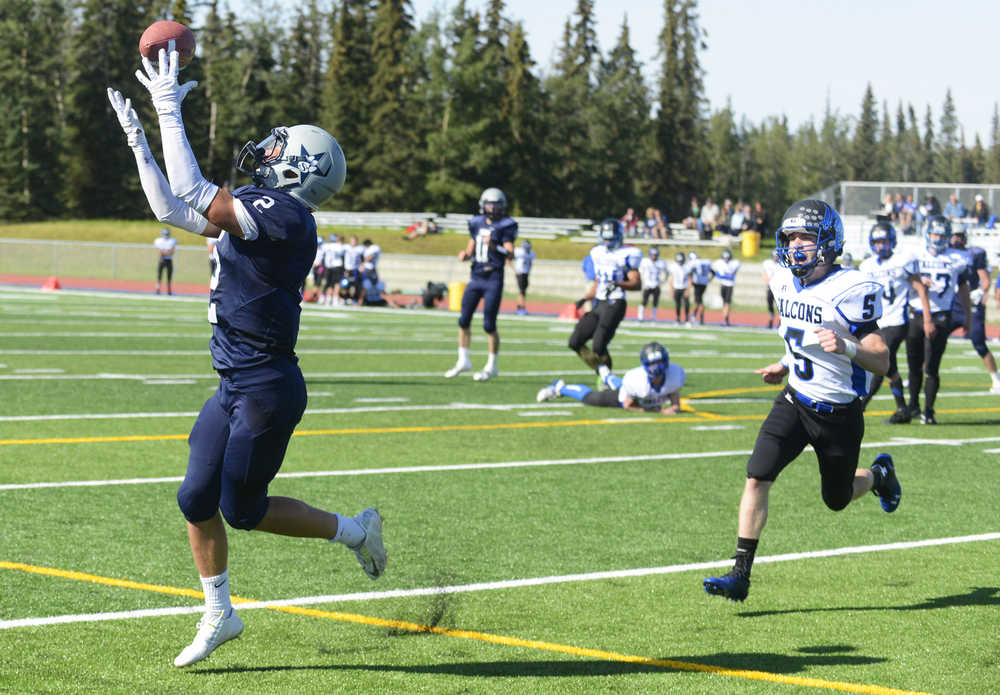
(183,172)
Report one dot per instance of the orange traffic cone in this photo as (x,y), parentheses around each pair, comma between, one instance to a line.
(51,283)
(569,313)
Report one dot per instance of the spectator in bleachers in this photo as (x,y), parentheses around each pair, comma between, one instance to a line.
(421,228)
(980,210)
(932,206)
(708,220)
(907,215)
(740,220)
(759,218)
(897,209)
(887,206)
(953,209)
(630,222)
(654,226)
(724,223)
(694,213)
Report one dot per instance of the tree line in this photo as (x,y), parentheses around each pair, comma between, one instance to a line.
(429,114)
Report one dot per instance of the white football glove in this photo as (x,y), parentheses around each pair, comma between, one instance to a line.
(127,118)
(161,81)
(976,297)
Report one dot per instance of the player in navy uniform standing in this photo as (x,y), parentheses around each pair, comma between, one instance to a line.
(491,245)
(828,322)
(979,287)
(267,243)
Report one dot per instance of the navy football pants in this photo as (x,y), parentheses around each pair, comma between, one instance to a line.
(238,442)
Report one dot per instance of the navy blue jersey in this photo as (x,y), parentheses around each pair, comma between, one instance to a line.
(489,238)
(254,302)
(977,262)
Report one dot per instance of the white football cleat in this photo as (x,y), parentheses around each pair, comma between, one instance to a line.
(213,630)
(486,374)
(458,369)
(371,553)
(995,388)
(551,392)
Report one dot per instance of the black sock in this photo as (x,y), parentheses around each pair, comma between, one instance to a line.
(745,549)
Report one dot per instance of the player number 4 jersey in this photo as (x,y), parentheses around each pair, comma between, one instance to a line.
(611,267)
(894,275)
(846,302)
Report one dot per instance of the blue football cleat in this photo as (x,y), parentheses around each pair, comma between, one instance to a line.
(889,491)
(733,586)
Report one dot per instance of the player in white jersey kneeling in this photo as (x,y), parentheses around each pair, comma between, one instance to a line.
(653,387)
(828,322)
(899,275)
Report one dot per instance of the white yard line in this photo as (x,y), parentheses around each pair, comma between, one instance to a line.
(498,585)
(689,456)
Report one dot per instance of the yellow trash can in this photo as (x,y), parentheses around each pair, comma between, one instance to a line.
(455,292)
(750,242)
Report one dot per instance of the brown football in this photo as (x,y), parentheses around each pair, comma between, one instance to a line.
(159,34)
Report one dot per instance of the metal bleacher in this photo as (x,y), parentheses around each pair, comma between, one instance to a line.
(679,236)
(528,227)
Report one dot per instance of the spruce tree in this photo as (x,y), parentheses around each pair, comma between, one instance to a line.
(864,147)
(947,159)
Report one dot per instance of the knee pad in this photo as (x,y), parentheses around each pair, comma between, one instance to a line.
(464,323)
(980,347)
(837,499)
(490,324)
(242,512)
(197,503)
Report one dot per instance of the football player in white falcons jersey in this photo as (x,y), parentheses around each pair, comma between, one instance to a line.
(652,271)
(944,273)
(828,322)
(725,270)
(701,275)
(899,275)
(680,278)
(653,387)
(616,269)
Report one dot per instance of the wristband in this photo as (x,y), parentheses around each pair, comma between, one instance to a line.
(850,349)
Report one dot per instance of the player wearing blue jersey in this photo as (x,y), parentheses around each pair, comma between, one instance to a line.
(616,269)
(828,323)
(944,271)
(491,245)
(267,244)
(899,275)
(979,287)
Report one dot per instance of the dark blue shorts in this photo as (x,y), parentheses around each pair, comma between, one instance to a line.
(977,333)
(490,290)
(238,442)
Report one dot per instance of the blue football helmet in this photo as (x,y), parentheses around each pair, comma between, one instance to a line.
(962,239)
(611,234)
(882,231)
(940,226)
(813,217)
(655,360)
(654,252)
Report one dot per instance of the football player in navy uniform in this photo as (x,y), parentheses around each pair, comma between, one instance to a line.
(491,245)
(267,243)
(944,271)
(616,269)
(899,275)
(979,287)
(828,323)
(654,386)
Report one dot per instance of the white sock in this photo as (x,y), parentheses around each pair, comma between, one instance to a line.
(349,532)
(996,378)
(640,311)
(463,355)
(217,592)
(491,361)
(652,314)
(603,371)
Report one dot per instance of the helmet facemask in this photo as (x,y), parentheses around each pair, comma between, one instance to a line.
(655,360)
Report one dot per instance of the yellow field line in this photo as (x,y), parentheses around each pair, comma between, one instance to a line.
(504,640)
(702,416)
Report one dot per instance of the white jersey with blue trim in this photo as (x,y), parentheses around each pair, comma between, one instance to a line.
(726,271)
(652,272)
(610,268)
(846,301)
(523,260)
(680,274)
(944,271)
(635,385)
(894,275)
